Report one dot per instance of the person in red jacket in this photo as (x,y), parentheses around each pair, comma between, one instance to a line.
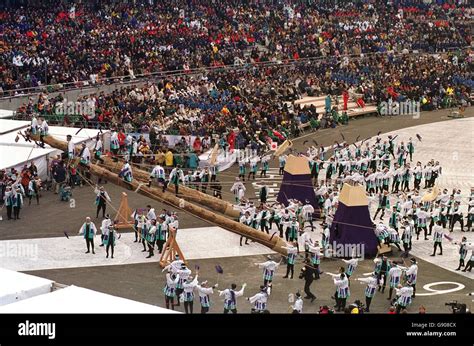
(345,98)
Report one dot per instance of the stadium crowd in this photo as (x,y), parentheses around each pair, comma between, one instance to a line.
(55,42)
(264,55)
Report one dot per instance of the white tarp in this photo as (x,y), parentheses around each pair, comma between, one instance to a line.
(7,125)
(5,114)
(74,300)
(16,286)
(85,135)
(16,154)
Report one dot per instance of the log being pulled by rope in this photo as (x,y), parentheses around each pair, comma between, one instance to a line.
(187,193)
(273,242)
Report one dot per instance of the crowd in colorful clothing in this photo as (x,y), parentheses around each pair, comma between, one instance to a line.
(16,187)
(254,100)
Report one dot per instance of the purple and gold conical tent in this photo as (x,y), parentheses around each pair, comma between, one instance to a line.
(296,183)
(352,224)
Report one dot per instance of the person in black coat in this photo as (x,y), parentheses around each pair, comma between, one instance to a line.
(308,274)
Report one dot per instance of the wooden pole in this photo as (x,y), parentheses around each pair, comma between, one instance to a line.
(170,250)
(192,195)
(124,214)
(273,242)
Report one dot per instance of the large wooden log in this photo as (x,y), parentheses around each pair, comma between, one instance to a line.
(187,193)
(273,242)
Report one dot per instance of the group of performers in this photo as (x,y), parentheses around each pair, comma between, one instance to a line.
(151,230)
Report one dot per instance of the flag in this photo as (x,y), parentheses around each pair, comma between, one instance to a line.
(448,237)
(219,269)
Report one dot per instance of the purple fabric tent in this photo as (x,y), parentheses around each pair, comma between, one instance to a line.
(352,225)
(297,187)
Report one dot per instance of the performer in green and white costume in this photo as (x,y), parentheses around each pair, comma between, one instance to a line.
(89,230)
(242,169)
(176,176)
(110,239)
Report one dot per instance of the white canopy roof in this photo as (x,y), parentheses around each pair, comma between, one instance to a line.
(5,113)
(15,154)
(74,299)
(7,125)
(18,286)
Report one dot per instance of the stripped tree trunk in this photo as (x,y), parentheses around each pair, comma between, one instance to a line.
(273,242)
